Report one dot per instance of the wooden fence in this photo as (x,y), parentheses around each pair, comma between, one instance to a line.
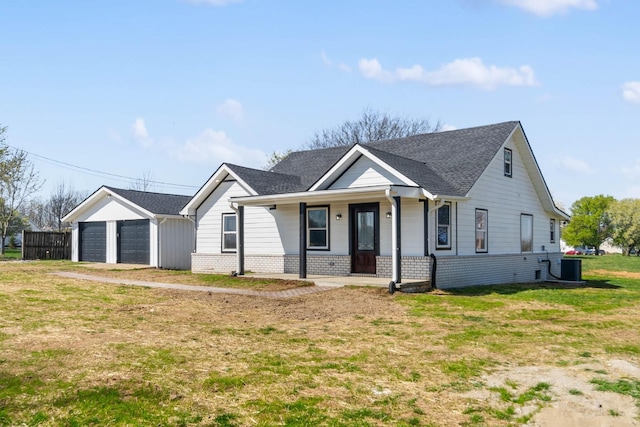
(46,245)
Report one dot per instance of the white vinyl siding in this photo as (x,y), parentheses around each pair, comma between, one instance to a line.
(264,229)
(365,173)
(176,243)
(506,199)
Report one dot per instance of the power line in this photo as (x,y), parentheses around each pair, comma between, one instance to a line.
(97,173)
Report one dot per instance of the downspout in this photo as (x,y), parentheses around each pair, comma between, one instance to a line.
(434,262)
(159,242)
(239,238)
(394,240)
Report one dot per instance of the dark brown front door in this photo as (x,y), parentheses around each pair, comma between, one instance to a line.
(364,237)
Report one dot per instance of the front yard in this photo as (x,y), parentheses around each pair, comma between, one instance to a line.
(84,353)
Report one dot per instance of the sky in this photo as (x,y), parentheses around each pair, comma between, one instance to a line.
(104,92)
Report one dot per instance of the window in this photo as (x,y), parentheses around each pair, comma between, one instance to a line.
(526,233)
(508,164)
(318,228)
(229,232)
(444,226)
(481,230)
(552,230)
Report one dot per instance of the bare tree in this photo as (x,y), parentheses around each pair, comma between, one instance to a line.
(18,181)
(63,199)
(275,158)
(143,183)
(371,126)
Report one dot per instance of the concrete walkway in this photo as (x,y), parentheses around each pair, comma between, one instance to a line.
(232,291)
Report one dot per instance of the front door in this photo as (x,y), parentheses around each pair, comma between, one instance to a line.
(364,237)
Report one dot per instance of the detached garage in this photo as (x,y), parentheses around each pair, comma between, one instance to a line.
(132,227)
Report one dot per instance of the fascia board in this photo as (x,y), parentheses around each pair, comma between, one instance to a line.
(349,159)
(209,187)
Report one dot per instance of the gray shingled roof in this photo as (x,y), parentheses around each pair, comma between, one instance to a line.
(265,182)
(156,203)
(446,163)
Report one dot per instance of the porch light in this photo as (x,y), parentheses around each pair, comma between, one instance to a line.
(338,217)
(388,214)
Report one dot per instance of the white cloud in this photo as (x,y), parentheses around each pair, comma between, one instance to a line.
(344,67)
(551,7)
(571,164)
(325,59)
(447,127)
(631,92)
(466,71)
(232,109)
(140,133)
(218,3)
(216,147)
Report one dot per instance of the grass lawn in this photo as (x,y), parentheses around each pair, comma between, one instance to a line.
(76,353)
(10,254)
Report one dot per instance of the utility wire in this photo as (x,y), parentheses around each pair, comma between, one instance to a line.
(97,173)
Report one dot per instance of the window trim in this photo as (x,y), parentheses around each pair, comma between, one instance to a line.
(485,230)
(552,230)
(224,232)
(509,162)
(327,228)
(522,248)
(438,225)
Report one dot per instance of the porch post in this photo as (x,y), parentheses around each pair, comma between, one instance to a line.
(240,238)
(397,219)
(303,240)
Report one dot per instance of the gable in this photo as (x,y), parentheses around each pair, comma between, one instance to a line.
(365,173)
(109,208)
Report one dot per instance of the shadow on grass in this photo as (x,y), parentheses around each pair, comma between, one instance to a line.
(523,287)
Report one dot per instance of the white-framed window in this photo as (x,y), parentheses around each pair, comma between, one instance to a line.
(552,230)
(318,227)
(482,230)
(526,233)
(443,227)
(508,163)
(229,232)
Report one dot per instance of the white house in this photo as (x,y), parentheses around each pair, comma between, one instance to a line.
(470,205)
(134,227)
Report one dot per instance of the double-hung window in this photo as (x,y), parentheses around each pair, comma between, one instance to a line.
(229,232)
(318,227)
(443,225)
(552,230)
(508,163)
(526,233)
(481,230)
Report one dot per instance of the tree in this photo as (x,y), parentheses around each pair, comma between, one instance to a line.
(143,183)
(275,158)
(371,126)
(625,223)
(48,214)
(590,223)
(63,199)
(18,181)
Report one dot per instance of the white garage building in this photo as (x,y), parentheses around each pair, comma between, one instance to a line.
(132,227)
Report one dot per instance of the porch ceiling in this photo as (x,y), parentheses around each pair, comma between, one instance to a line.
(361,193)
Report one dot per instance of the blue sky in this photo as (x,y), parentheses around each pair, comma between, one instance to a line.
(173,88)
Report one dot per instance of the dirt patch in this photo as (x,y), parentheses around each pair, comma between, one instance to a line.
(575,402)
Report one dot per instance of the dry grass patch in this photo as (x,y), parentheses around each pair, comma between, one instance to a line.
(78,352)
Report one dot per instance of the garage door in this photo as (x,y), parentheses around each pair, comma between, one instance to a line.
(133,242)
(93,241)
